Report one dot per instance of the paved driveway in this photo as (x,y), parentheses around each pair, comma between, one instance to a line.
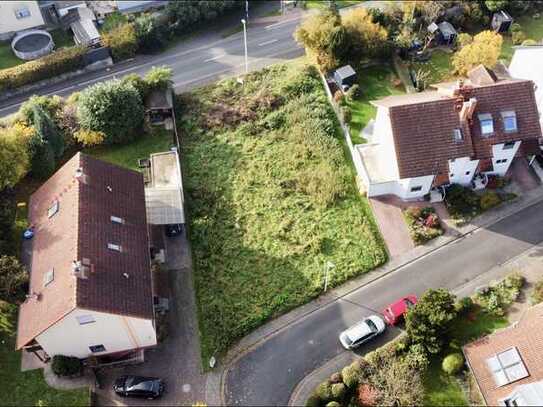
(177,359)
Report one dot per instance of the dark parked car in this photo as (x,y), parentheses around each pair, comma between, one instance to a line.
(139,386)
(174,230)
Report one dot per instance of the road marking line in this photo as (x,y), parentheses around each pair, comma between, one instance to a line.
(214,58)
(268,42)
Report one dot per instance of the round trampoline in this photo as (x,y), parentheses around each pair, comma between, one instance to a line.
(32,44)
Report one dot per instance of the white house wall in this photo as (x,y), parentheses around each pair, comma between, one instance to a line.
(10,24)
(402,188)
(462,170)
(383,135)
(501,153)
(115,332)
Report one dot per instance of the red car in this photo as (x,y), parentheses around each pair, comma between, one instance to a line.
(395,312)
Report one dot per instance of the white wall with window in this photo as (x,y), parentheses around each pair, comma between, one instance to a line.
(462,170)
(18,16)
(83,333)
(502,156)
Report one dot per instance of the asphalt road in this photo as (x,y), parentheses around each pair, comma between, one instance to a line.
(269,374)
(194,62)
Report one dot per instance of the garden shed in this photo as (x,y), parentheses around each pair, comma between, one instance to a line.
(443,32)
(345,77)
(501,21)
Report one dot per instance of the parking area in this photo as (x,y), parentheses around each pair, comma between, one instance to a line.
(177,358)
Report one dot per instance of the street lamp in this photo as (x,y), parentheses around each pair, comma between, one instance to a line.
(327,267)
(247,10)
(245,41)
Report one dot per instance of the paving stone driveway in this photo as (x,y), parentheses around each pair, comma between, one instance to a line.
(177,359)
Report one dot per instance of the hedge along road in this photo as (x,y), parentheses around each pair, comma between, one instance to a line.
(268,374)
(195,62)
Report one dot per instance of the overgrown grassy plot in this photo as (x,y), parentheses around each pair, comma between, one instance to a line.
(271,198)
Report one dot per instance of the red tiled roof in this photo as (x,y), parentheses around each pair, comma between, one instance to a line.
(526,336)
(423,126)
(82,228)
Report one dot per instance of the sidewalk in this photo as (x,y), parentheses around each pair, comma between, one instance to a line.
(216,378)
(528,264)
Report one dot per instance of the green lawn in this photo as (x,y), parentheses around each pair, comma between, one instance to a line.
(440,388)
(127,155)
(28,388)
(478,323)
(439,66)
(533,28)
(323,4)
(271,198)
(7,57)
(375,83)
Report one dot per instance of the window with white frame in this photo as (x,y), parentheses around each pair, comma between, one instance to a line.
(85,319)
(114,247)
(507,367)
(416,189)
(509,121)
(487,124)
(53,209)
(22,12)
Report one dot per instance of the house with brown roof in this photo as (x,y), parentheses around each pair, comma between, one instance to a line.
(90,290)
(455,134)
(508,364)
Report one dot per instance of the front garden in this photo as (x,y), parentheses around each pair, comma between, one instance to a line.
(424,365)
(271,199)
(423,224)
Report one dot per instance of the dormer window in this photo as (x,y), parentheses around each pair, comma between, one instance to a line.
(48,277)
(509,121)
(53,209)
(458,136)
(116,219)
(487,124)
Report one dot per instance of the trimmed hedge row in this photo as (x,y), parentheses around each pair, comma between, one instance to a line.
(59,62)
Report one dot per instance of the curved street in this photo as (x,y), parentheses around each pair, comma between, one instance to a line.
(268,374)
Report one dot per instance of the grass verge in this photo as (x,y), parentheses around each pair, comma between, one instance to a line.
(271,198)
(7,57)
(27,388)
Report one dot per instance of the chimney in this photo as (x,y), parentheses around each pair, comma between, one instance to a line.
(80,270)
(81,176)
(468,108)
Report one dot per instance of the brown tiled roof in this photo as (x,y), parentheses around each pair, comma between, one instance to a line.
(82,228)
(423,125)
(526,336)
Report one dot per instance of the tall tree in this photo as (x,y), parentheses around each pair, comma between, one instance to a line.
(47,130)
(13,276)
(367,39)
(484,49)
(14,156)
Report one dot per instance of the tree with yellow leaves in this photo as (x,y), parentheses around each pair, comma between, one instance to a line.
(367,39)
(484,49)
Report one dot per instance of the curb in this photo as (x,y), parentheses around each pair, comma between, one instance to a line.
(217,380)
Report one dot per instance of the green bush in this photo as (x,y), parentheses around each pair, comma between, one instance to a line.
(14,155)
(114,108)
(518,37)
(66,365)
(313,401)
(497,297)
(462,202)
(452,363)
(59,62)
(537,293)
(516,27)
(339,390)
(122,41)
(489,199)
(13,277)
(42,162)
(353,92)
(47,130)
(417,357)
(324,391)
(333,404)
(350,376)
(150,33)
(158,77)
(8,207)
(463,305)
(423,224)
(346,114)
(514,280)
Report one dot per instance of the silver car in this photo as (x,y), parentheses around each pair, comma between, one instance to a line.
(362,331)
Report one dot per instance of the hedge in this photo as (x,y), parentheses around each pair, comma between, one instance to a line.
(66,365)
(57,63)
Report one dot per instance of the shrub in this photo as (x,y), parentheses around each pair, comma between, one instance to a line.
(514,280)
(14,154)
(113,108)
(324,391)
(52,105)
(8,207)
(339,390)
(333,404)
(150,33)
(452,363)
(463,305)
(501,294)
(158,77)
(485,49)
(350,376)
(489,199)
(367,395)
(13,277)
(462,202)
(66,365)
(336,378)
(537,293)
(89,138)
(518,37)
(122,41)
(417,357)
(464,39)
(42,162)
(353,92)
(47,130)
(346,114)
(57,63)
(516,27)
(313,401)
